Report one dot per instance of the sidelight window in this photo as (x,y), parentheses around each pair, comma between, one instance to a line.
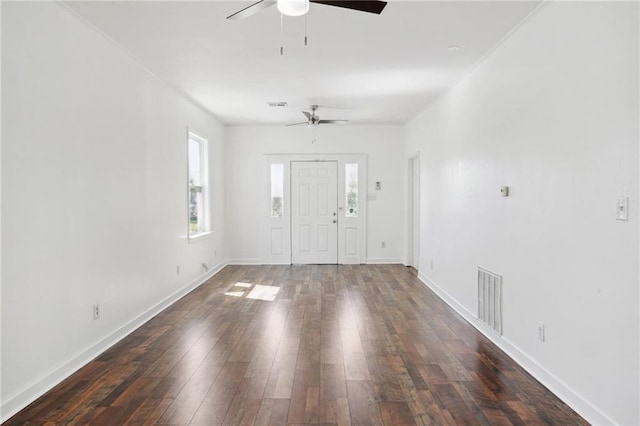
(198,185)
(351,189)
(277,189)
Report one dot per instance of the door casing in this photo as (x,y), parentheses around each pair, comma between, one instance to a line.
(276,231)
(413,211)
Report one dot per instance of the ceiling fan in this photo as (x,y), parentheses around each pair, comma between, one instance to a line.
(301,7)
(314,120)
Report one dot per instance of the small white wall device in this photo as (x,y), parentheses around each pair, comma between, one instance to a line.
(623,208)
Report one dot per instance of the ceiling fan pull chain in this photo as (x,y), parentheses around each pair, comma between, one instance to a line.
(305,29)
(281,34)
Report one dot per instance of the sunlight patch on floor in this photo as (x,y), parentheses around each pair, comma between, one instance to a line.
(264,292)
(259,292)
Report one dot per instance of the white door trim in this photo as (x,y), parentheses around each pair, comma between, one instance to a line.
(276,231)
(413,211)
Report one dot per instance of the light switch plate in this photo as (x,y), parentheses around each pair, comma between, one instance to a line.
(623,208)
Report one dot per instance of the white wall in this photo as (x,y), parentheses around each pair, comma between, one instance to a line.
(93,196)
(552,113)
(246,174)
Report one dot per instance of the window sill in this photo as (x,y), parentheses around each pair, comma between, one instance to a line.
(200,237)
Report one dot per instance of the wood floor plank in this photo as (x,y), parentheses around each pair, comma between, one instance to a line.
(396,413)
(148,412)
(363,406)
(134,396)
(187,402)
(340,345)
(272,412)
(215,405)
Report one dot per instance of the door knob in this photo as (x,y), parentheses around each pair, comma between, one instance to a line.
(335,221)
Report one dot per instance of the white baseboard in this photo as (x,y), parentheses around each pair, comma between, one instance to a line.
(33,391)
(374,261)
(383,261)
(244,262)
(550,381)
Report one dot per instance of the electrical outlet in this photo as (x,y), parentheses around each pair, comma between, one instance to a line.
(96,311)
(383,244)
(177,269)
(541,332)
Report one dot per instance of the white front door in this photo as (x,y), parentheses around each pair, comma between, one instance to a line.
(314,212)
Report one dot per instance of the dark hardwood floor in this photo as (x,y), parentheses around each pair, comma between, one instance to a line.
(360,345)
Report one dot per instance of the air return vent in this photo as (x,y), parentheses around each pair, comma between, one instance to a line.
(490,299)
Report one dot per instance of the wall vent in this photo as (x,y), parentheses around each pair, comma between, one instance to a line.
(490,299)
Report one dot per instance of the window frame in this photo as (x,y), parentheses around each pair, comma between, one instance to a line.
(280,188)
(356,212)
(204,185)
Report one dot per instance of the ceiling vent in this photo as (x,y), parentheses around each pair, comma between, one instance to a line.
(277,104)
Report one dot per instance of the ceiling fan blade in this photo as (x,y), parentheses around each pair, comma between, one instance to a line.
(371,6)
(253,9)
(333,121)
(297,124)
(307,114)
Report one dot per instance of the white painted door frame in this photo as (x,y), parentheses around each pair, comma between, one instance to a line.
(275,236)
(413,211)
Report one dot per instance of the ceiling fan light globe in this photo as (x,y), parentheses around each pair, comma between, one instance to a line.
(293,7)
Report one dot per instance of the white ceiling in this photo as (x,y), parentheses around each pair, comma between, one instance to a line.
(370,69)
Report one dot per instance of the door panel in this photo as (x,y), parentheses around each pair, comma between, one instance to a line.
(314,195)
(304,197)
(351,241)
(304,236)
(323,199)
(323,238)
(277,241)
